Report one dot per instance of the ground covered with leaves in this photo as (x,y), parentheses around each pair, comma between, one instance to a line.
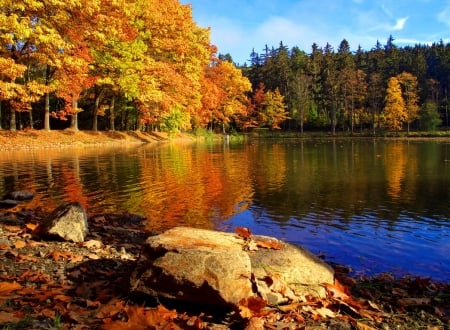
(40,139)
(61,285)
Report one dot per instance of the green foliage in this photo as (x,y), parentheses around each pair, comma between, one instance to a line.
(430,118)
(175,120)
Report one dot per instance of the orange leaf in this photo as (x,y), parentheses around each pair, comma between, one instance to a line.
(20,244)
(8,287)
(4,247)
(110,309)
(269,244)
(6,317)
(166,313)
(31,226)
(244,232)
(13,229)
(251,306)
(62,298)
(337,290)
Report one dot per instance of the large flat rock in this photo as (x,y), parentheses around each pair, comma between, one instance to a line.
(207,266)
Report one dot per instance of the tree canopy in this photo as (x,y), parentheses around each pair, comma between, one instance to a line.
(147,65)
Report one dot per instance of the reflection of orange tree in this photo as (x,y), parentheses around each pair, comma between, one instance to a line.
(273,175)
(195,187)
(396,161)
(71,184)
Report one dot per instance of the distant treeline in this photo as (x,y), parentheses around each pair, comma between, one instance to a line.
(387,87)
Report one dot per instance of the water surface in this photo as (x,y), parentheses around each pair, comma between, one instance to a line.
(374,205)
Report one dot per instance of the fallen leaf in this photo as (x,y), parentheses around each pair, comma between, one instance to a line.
(13,229)
(5,247)
(414,301)
(62,298)
(6,317)
(166,313)
(31,226)
(93,244)
(362,326)
(110,309)
(320,313)
(269,244)
(19,244)
(255,323)
(337,290)
(243,232)
(7,287)
(251,306)
(93,256)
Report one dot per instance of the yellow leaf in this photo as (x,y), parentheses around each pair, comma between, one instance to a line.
(20,244)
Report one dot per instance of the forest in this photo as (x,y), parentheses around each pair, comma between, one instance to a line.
(385,88)
(146,65)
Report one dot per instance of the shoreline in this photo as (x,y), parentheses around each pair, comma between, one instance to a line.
(39,139)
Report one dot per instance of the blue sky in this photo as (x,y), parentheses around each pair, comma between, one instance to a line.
(238,26)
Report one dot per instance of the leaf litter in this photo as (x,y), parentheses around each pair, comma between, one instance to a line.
(52,284)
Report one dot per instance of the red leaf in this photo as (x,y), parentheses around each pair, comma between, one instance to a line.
(243,232)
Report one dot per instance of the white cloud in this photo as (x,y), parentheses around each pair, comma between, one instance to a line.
(400,24)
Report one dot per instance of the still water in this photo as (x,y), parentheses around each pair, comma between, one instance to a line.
(373,205)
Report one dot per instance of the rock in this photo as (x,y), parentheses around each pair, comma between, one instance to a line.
(211,267)
(68,221)
(21,195)
(8,203)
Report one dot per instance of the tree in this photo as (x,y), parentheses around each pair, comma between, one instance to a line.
(227,100)
(274,109)
(177,53)
(394,110)
(409,86)
(28,42)
(429,116)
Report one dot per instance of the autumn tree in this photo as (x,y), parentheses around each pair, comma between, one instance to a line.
(394,110)
(228,88)
(177,51)
(274,109)
(410,90)
(28,42)
(255,107)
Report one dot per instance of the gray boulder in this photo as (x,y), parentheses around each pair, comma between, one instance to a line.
(212,267)
(21,195)
(67,222)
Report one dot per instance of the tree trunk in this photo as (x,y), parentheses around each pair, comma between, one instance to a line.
(47,112)
(12,121)
(112,114)
(74,120)
(47,101)
(31,119)
(95,119)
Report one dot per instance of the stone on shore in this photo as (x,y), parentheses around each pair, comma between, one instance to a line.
(21,195)
(218,268)
(67,222)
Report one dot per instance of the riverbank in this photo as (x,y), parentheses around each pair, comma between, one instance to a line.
(62,285)
(39,139)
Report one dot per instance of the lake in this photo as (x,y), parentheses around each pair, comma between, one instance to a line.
(371,204)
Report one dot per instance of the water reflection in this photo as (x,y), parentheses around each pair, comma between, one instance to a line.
(372,204)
